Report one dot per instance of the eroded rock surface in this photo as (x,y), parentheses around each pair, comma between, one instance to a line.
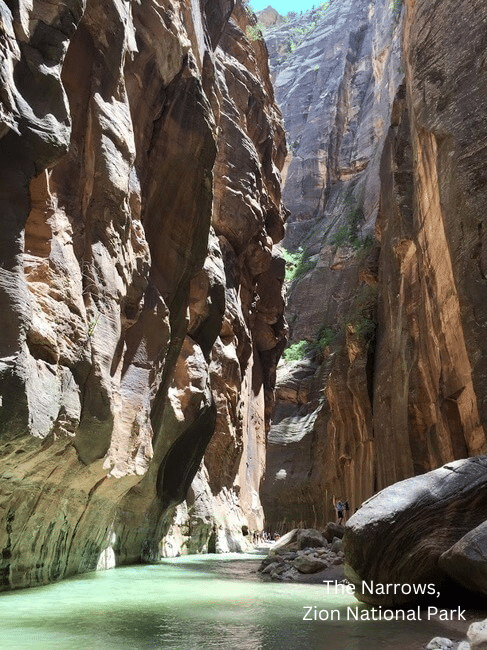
(336,74)
(140,296)
(392,148)
(429,404)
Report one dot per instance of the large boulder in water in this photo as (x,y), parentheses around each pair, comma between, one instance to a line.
(288,542)
(398,536)
(298,539)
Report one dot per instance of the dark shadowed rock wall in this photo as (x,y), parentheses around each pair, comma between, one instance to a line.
(385,182)
(140,297)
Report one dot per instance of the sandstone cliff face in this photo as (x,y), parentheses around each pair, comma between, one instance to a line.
(393,383)
(141,307)
(432,308)
(336,89)
(429,401)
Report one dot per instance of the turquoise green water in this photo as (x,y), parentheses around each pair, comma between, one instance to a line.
(204,602)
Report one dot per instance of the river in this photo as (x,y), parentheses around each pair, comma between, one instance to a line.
(212,602)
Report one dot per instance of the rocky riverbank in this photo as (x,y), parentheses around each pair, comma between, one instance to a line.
(477,639)
(307,555)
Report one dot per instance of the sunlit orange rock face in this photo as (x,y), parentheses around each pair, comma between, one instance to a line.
(387,131)
(140,294)
(431,408)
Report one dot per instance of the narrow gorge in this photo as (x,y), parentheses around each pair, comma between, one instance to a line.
(385,181)
(147,255)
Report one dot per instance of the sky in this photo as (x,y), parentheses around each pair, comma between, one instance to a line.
(283,6)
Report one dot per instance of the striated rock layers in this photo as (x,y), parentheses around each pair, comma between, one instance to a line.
(385,182)
(140,298)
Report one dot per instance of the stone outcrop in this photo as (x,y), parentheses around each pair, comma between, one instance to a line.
(269,17)
(414,532)
(390,148)
(140,294)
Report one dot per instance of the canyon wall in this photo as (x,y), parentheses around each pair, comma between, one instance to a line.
(140,295)
(385,377)
(430,402)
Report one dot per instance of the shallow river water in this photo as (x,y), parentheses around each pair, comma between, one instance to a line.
(210,602)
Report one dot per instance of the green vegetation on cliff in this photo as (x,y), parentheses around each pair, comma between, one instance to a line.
(297,264)
(255,32)
(303,348)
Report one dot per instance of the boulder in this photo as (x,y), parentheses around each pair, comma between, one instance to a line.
(309,564)
(466,561)
(287,541)
(333,530)
(272,566)
(477,635)
(399,535)
(270,559)
(440,643)
(291,574)
(310,538)
(289,556)
(336,545)
(277,571)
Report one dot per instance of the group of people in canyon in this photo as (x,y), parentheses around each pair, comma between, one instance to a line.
(264,536)
(341,506)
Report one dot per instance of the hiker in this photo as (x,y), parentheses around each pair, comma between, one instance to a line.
(341,507)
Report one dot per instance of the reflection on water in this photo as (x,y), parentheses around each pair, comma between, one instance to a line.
(206,602)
